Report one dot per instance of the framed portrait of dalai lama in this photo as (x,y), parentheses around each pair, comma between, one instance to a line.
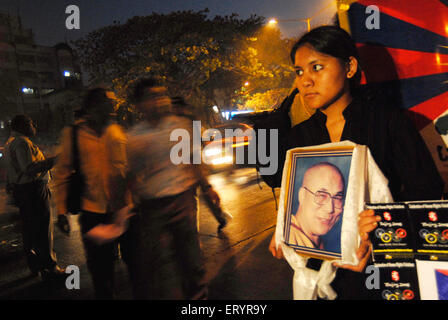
(314,201)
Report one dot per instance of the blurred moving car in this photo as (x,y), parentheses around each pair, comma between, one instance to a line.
(228,147)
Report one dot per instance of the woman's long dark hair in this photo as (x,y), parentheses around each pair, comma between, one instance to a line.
(333,41)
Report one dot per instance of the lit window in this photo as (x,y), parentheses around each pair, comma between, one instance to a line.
(27,90)
(67,74)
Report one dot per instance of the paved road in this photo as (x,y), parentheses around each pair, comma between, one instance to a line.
(239,266)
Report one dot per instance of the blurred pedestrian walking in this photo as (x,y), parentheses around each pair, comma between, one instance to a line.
(170,259)
(181,108)
(100,146)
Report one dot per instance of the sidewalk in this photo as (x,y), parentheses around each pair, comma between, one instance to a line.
(243,270)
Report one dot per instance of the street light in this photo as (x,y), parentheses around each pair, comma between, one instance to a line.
(275,21)
(272,21)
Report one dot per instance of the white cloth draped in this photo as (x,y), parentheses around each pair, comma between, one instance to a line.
(366,183)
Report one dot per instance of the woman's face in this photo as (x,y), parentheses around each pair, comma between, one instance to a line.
(322,80)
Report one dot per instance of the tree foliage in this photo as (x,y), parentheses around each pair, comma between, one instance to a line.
(265,100)
(205,60)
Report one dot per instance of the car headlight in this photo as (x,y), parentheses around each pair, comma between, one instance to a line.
(212,152)
(241,144)
(222,160)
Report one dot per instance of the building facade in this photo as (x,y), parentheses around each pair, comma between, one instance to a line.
(31,74)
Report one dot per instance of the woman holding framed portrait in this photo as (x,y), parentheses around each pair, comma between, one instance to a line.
(328,72)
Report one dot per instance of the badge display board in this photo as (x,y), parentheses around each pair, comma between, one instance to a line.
(430,221)
(316,188)
(394,236)
(398,280)
(411,230)
(410,250)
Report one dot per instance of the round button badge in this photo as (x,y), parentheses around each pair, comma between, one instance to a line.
(408,294)
(385,294)
(401,233)
(431,238)
(386,237)
(423,233)
(445,234)
(379,232)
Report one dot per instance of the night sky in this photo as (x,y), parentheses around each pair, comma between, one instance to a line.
(47,17)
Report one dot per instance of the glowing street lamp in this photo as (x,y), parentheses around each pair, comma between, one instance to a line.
(342,6)
(275,21)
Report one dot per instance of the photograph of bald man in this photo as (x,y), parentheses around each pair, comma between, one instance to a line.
(321,203)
